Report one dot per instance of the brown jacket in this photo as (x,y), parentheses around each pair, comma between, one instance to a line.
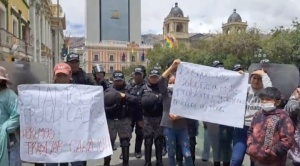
(280,141)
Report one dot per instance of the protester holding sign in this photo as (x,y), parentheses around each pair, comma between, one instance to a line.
(175,127)
(270,135)
(63,75)
(9,123)
(258,80)
(220,136)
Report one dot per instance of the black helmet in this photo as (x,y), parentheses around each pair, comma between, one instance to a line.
(218,64)
(265,61)
(237,67)
(112,99)
(149,101)
(98,69)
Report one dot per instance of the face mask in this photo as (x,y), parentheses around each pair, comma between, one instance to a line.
(268,106)
(170,87)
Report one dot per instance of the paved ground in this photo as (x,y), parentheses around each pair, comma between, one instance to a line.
(139,162)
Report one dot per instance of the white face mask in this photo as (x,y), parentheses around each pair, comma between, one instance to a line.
(170,87)
(268,106)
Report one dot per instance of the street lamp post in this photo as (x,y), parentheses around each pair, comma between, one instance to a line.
(260,55)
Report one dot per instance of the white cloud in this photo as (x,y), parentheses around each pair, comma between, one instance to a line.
(205,15)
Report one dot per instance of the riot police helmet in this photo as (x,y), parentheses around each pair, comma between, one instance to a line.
(148,101)
(265,61)
(237,67)
(218,64)
(98,69)
(112,99)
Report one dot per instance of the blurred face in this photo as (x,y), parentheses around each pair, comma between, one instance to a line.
(118,83)
(61,78)
(256,82)
(153,79)
(138,77)
(74,65)
(100,76)
(267,100)
(172,79)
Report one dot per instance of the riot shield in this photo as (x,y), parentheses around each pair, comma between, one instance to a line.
(284,77)
(25,73)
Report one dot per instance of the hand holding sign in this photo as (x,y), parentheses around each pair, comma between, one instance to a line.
(175,64)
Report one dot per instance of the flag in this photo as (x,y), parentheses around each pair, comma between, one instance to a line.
(143,57)
(123,57)
(170,40)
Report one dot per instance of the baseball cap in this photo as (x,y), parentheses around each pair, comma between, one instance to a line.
(154,72)
(62,68)
(237,67)
(72,57)
(118,75)
(218,64)
(139,70)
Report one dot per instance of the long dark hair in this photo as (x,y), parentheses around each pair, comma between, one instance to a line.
(3,84)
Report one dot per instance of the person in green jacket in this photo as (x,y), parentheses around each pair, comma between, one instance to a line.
(9,123)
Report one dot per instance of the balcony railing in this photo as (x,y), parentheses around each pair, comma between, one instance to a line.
(7,39)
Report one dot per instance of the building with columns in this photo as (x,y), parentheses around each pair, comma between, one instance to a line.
(234,24)
(15,37)
(114,55)
(47,29)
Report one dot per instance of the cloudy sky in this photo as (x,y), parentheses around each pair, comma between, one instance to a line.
(205,15)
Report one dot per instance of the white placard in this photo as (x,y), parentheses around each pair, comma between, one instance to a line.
(62,123)
(210,94)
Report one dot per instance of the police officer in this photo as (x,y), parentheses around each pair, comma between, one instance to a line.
(218,64)
(265,61)
(99,76)
(119,118)
(153,108)
(237,67)
(193,132)
(137,121)
(79,76)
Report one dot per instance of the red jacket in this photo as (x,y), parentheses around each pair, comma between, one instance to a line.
(280,141)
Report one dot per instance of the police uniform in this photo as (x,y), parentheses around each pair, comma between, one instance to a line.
(104,82)
(135,90)
(81,76)
(118,116)
(193,132)
(152,106)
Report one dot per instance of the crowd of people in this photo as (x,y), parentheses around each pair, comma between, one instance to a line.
(142,105)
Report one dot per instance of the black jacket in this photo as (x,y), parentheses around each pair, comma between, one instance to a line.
(82,78)
(104,83)
(158,109)
(122,111)
(136,90)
